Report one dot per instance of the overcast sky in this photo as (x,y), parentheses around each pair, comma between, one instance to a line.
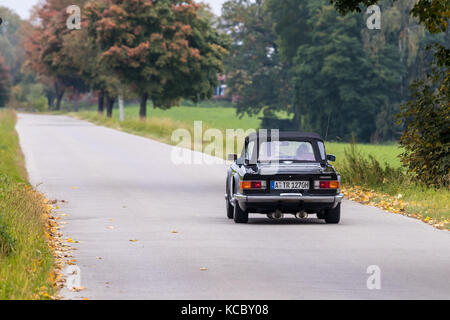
(22,7)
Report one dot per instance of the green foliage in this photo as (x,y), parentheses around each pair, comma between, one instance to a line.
(29,96)
(365,170)
(7,241)
(10,43)
(434,14)
(40,104)
(426,139)
(339,87)
(256,78)
(5,84)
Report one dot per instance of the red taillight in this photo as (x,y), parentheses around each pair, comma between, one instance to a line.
(326,184)
(246,185)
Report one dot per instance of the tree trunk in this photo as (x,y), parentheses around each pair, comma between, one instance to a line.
(298,119)
(59,95)
(51,100)
(143,107)
(76,101)
(101,101)
(109,106)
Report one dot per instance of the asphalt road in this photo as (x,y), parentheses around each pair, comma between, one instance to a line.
(113,179)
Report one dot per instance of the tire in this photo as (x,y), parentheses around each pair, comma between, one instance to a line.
(240,216)
(333,216)
(230,209)
(321,215)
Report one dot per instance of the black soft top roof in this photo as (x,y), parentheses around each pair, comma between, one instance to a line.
(285,135)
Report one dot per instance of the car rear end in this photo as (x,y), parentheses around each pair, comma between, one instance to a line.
(290,192)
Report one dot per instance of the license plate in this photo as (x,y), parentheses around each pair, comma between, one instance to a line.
(289,185)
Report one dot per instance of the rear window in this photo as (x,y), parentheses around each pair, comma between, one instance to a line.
(286,151)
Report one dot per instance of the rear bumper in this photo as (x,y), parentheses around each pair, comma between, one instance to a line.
(248,200)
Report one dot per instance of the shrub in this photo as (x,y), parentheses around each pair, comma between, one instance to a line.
(5,83)
(426,139)
(361,170)
(40,104)
(7,241)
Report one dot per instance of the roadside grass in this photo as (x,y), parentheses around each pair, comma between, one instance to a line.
(26,260)
(389,187)
(372,174)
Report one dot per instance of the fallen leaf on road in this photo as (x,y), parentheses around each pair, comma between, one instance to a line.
(203,269)
(174,231)
(78,289)
(70,240)
(134,240)
(110,227)
(74,188)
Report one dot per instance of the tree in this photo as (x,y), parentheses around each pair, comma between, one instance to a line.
(5,85)
(10,43)
(256,76)
(85,56)
(164,50)
(434,14)
(426,140)
(339,88)
(427,114)
(44,48)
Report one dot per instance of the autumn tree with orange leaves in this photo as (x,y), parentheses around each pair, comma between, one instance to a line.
(164,50)
(44,48)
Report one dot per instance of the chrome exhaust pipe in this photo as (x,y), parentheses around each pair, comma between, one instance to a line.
(301,215)
(276,215)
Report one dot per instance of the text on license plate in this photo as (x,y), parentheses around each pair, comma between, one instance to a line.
(289,185)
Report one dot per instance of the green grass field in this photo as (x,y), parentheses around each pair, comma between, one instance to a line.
(383,153)
(214,117)
(222,118)
(26,260)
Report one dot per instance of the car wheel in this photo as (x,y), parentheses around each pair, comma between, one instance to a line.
(240,216)
(230,209)
(333,216)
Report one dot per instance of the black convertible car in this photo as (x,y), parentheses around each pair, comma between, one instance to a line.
(287,173)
